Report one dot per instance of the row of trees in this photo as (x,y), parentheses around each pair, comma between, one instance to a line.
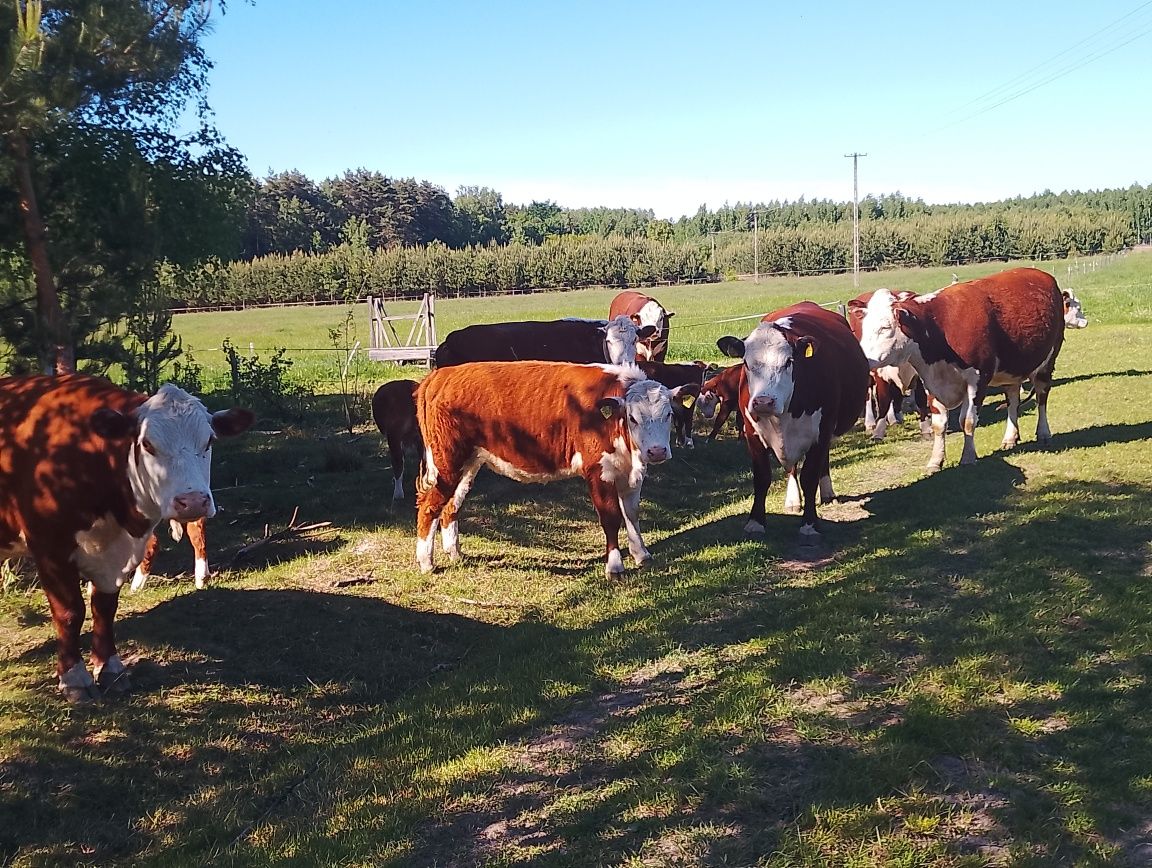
(353,270)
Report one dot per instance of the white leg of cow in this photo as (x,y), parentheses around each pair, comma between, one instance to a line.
(450,528)
(1043,432)
(870,410)
(792,500)
(1012,426)
(939,427)
(880,429)
(896,413)
(138,579)
(630,506)
(424,547)
(78,685)
(398,489)
(202,573)
(827,493)
(968,419)
(615,564)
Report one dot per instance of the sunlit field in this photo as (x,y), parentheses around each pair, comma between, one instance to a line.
(960,675)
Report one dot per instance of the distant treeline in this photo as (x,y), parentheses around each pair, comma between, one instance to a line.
(352,270)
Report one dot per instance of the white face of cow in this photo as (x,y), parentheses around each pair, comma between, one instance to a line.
(647,408)
(881,338)
(707,403)
(170,460)
(620,338)
(767,366)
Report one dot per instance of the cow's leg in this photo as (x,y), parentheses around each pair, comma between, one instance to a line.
(199,540)
(110,672)
(827,492)
(1042,383)
(722,413)
(939,427)
(870,406)
(396,455)
(792,501)
(969,416)
(761,479)
(449,523)
(1012,426)
(61,584)
(883,391)
(432,495)
(811,472)
(923,408)
(630,505)
(144,568)
(606,501)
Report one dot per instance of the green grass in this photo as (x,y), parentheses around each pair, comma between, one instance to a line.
(962,677)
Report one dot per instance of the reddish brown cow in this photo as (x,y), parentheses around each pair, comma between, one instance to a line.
(644,311)
(720,396)
(87,471)
(805,382)
(394,412)
(538,422)
(969,337)
(197,538)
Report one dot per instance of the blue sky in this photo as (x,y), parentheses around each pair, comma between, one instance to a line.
(673,105)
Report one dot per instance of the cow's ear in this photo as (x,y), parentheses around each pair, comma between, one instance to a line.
(112,425)
(635,319)
(805,347)
(701,364)
(229,423)
(1066,295)
(906,319)
(731,347)
(645,332)
(609,407)
(669,313)
(857,308)
(686,395)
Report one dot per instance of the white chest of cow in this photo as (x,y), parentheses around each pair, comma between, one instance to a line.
(787,436)
(107,554)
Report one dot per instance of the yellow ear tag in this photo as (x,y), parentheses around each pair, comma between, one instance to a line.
(688,400)
(808,351)
(606,412)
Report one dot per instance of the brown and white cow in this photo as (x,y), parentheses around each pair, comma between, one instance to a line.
(199,542)
(394,412)
(87,471)
(1073,311)
(890,383)
(688,377)
(644,311)
(720,396)
(805,382)
(964,339)
(539,422)
(582,341)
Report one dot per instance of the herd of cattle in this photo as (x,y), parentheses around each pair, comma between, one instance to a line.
(88,470)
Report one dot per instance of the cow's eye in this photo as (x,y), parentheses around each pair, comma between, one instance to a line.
(633,419)
(787,364)
(148,447)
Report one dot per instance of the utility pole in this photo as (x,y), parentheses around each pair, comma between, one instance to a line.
(855,219)
(713,234)
(755,246)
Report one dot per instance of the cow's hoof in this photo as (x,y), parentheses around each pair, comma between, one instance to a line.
(643,561)
(875,439)
(809,536)
(425,569)
(754,526)
(933,468)
(1008,445)
(82,695)
(114,683)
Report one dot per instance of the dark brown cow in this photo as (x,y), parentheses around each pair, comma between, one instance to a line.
(969,337)
(644,311)
(582,341)
(87,471)
(394,412)
(688,377)
(720,397)
(538,422)
(805,382)
(889,383)
(196,537)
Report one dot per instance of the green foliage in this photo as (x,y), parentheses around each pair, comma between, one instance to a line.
(260,385)
(150,345)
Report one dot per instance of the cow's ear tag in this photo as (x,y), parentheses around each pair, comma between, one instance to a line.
(808,351)
(688,400)
(606,411)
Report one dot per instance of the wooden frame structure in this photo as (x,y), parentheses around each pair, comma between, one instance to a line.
(386,343)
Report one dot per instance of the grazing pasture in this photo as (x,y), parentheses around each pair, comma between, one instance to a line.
(961,674)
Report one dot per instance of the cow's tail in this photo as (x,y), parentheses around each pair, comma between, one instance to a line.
(426,477)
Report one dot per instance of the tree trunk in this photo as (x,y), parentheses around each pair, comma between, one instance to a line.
(57,355)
